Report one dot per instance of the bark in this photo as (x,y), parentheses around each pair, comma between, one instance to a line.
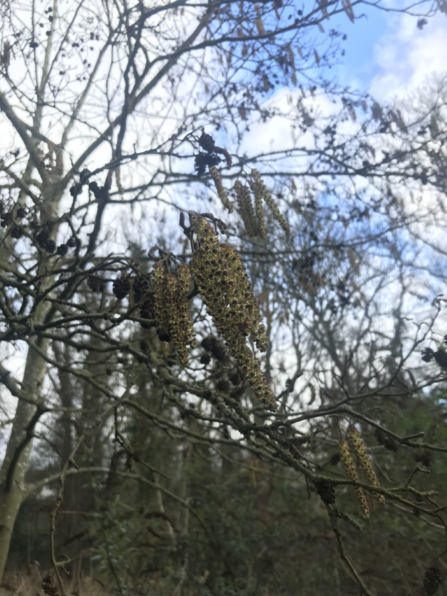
(15,463)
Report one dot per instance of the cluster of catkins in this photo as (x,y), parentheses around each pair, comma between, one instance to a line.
(172,315)
(359,448)
(228,295)
(167,304)
(253,215)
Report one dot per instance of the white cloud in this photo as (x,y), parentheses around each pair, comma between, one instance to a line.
(406,56)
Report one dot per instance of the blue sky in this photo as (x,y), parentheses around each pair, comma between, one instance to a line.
(388,55)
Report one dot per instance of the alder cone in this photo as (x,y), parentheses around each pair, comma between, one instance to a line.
(50,246)
(432,580)
(326,491)
(16,232)
(95,283)
(121,287)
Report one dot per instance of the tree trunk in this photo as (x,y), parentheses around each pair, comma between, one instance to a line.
(15,464)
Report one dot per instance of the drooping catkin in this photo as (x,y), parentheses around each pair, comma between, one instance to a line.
(163,296)
(359,448)
(228,296)
(246,209)
(185,335)
(346,458)
(217,179)
(270,202)
(259,208)
(172,315)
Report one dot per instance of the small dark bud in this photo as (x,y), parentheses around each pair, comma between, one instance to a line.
(62,250)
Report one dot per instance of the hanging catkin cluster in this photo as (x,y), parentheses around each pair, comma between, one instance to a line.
(228,295)
(359,447)
(217,179)
(172,315)
(346,458)
(253,216)
(246,209)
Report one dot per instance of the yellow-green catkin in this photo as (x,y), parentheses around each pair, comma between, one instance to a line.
(217,179)
(162,300)
(359,448)
(228,296)
(246,209)
(184,334)
(264,192)
(346,458)
(172,316)
(257,190)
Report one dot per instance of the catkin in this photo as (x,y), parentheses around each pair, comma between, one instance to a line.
(172,316)
(228,296)
(259,208)
(246,209)
(263,191)
(217,178)
(359,447)
(346,458)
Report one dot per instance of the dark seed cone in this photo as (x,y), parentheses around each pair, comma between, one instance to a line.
(147,310)
(16,232)
(42,238)
(121,287)
(441,358)
(432,580)
(71,242)
(95,283)
(223,385)
(204,160)
(326,491)
(206,142)
(211,344)
(427,355)
(6,219)
(20,213)
(140,287)
(385,440)
(62,250)
(205,359)
(50,246)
